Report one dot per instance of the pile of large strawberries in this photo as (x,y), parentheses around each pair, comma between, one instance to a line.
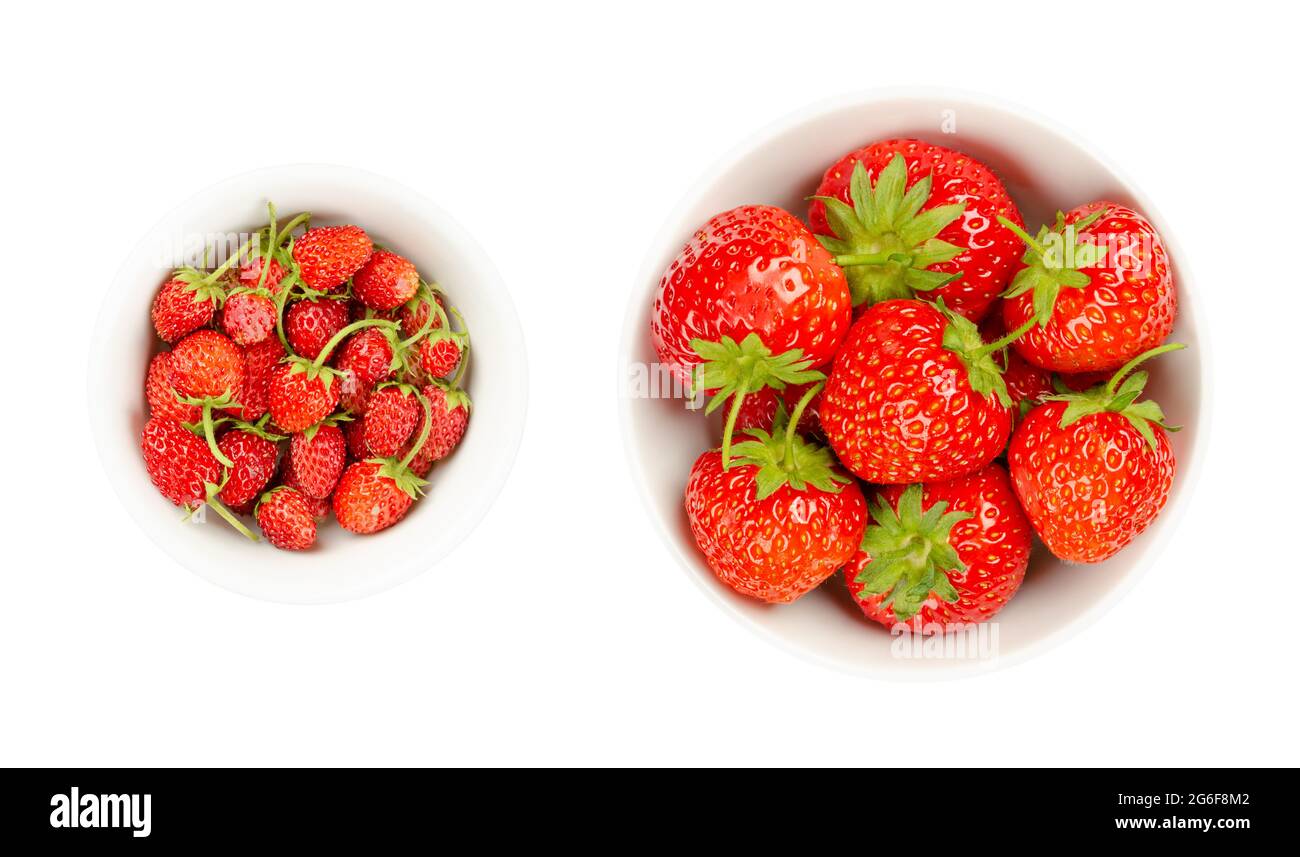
(309,372)
(914,386)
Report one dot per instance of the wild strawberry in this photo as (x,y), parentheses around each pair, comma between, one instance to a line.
(449,411)
(1099,286)
(364,360)
(185,303)
(374,495)
(302,394)
(779,520)
(1094,469)
(250,275)
(316,460)
(915,395)
(439,353)
(941,554)
(162,395)
(385,281)
(320,506)
(356,439)
(254,454)
(415,314)
(310,324)
(184,469)
(248,317)
(328,255)
(206,365)
(255,396)
(754,269)
(286,519)
(392,414)
(927,227)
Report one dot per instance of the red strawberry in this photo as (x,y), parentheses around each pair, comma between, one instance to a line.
(328,255)
(207,365)
(254,454)
(754,269)
(250,275)
(1099,286)
(316,461)
(779,520)
(372,496)
(255,396)
(320,507)
(179,463)
(385,281)
(184,304)
(392,414)
(915,395)
(162,395)
(364,360)
(414,315)
(248,317)
(286,519)
(310,324)
(1094,469)
(439,353)
(928,225)
(941,554)
(302,394)
(449,408)
(355,437)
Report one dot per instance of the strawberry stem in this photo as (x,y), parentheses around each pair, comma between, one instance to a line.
(730,426)
(792,426)
(424,431)
(209,432)
(227,515)
(848,259)
(999,344)
(1024,236)
(1113,384)
(343,334)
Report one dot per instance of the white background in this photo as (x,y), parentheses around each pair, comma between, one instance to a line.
(561,631)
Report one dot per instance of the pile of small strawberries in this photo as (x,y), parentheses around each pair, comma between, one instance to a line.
(311,371)
(915,387)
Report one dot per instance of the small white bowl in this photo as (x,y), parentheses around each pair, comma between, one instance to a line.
(342,565)
(1045,168)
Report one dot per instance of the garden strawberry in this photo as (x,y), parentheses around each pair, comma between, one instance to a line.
(185,303)
(754,269)
(184,469)
(778,520)
(1100,287)
(310,324)
(248,316)
(364,360)
(163,401)
(302,394)
(392,414)
(207,365)
(941,554)
(927,226)
(328,255)
(374,495)
(254,453)
(254,396)
(1094,469)
(385,281)
(915,395)
(449,416)
(286,519)
(320,506)
(316,460)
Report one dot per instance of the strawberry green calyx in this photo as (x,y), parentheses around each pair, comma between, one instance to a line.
(736,370)
(206,426)
(1052,262)
(1120,395)
(884,242)
(910,553)
(983,370)
(784,458)
(310,432)
(203,287)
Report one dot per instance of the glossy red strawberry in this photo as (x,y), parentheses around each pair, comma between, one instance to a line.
(909,218)
(310,324)
(248,317)
(301,395)
(179,462)
(162,395)
(254,454)
(915,395)
(754,269)
(392,415)
(449,411)
(1093,469)
(320,506)
(185,303)
(779,520)
(254,396)
(207,365)
(316,461)
(1100,287)
(364,360)
(328,255)
(385,281)
(941,554)
(287,519)
(372,496)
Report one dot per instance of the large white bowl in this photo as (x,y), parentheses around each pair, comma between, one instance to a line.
(1045,168)
(463,486)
